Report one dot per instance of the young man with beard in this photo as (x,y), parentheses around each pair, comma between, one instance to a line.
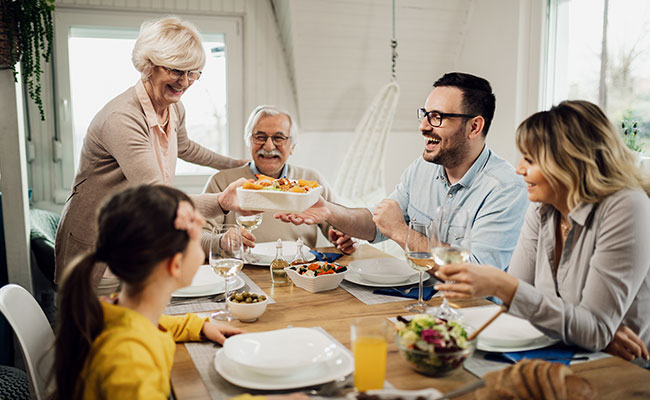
(456,170)
(271,135)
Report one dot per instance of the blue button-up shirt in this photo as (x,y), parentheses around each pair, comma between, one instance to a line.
(493,195)
(256,171)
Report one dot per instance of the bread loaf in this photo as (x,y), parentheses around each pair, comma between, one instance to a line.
(535,379)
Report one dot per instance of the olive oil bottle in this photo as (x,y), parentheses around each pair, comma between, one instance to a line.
(278,274)
(300,256)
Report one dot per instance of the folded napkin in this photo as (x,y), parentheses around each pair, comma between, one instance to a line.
(329,257)
(559,353)
(412,293)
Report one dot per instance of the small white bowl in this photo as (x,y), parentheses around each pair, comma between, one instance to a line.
(383,270)
(247,312)
(314,284)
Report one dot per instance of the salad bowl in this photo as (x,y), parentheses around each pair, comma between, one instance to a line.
(319,276)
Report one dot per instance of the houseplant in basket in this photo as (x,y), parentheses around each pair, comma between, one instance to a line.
(26,33)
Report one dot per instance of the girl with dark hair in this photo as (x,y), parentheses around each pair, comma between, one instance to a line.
(124,348)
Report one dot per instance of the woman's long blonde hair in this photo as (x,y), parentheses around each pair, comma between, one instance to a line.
(576,147)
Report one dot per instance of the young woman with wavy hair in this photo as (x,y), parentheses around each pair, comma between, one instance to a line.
(579,272)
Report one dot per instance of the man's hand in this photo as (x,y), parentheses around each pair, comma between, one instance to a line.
(219,332)
(313,215)
(389,219)
(627,345)
(343,242)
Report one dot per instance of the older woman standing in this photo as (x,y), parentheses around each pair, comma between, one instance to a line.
(137,137)
(580,269)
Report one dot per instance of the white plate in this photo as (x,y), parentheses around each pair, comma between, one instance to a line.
(204,280)
(265,252)
(388,270)
(336,368)
(282,352)
(233,284)
(354,277)
(506,333)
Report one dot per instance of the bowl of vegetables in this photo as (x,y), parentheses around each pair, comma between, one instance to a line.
(433,346)
(318,276)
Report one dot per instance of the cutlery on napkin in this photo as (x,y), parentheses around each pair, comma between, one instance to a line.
(411,293)
(328,257)
(558,353)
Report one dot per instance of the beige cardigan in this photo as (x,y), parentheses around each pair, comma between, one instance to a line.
(271,229)
(121,149)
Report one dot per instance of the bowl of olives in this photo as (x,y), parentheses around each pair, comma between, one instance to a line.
(247,307)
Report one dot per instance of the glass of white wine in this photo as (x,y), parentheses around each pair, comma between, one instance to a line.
(250,223)
(418,255)
(451,244)
(226,259)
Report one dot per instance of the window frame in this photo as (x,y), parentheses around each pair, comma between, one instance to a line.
(230,27)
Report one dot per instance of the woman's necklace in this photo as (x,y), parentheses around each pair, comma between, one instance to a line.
(564,227)
(164,123)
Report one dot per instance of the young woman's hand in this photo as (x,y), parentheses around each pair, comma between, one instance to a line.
(627,345)
(470,280)
(219,332)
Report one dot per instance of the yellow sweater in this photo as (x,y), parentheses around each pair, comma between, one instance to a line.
(132,358)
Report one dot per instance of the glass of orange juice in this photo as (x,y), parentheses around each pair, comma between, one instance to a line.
(368,338)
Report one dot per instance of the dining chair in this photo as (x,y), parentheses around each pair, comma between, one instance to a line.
(34,335)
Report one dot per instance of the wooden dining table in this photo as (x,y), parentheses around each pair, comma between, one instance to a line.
(334,310)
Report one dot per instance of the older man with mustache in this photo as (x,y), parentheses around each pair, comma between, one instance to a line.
(271,134)
(456,171)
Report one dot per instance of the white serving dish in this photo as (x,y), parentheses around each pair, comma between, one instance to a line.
(277,201)
(355,278)
(387,270)
(265,252)
(331,370)
(247,312)
(314,284)
(280,352)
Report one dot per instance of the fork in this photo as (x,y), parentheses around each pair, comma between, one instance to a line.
(217,299)
(333,388)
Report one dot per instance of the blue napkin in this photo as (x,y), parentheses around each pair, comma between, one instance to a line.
(559,353)
(329,257)
(411,293)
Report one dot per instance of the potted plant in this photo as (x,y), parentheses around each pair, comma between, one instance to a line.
(631,136)
(26,35)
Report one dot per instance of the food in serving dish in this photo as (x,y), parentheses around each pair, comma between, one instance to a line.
(264,182)
(278,195)
(433,346)
(247,307)
(318,268)
(318,276)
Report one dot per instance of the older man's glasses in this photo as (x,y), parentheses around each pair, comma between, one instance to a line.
(278,140)
(178,74)
(435,117)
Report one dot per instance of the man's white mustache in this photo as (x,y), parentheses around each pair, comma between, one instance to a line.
(272,153)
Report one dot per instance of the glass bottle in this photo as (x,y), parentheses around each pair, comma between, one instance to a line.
(300,256)
(278,274)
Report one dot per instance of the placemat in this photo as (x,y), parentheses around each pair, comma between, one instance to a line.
(365,295)
(206,304)
(202,354)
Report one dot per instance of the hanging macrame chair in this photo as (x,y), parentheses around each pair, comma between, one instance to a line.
(360,182)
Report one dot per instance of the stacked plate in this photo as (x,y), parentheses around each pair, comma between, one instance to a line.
(507,333)
(382,272)
(282,359)
(206,283)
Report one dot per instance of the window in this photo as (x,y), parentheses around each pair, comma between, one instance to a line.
(93,65)
(618,78)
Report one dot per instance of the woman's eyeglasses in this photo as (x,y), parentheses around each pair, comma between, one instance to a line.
(178,74)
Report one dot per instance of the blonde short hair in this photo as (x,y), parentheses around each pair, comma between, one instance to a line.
(169,42)
(263,110)
(576,147)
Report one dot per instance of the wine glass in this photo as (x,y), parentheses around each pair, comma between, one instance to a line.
(226,259)
(418,255)
(250,223)
(451,244)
